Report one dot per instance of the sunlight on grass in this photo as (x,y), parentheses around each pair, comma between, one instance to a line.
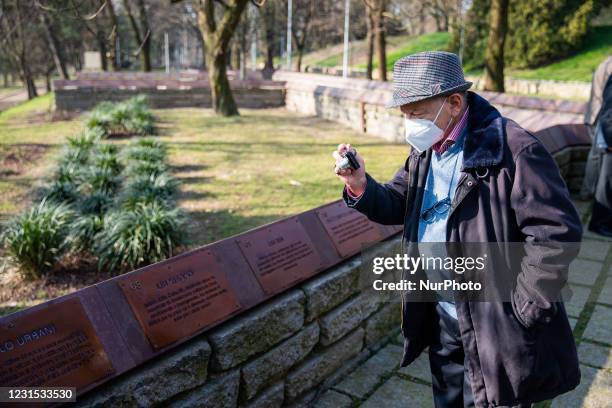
(236,173)
(239,173)
(579,67)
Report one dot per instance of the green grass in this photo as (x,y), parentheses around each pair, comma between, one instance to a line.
(427,42)
(235,173)
(238,173)
(579,67)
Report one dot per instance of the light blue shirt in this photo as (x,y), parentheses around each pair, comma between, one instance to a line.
(442,180)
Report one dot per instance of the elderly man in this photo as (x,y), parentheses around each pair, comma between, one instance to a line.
(475,176)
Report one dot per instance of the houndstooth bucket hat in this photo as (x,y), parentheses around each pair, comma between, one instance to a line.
(424,75)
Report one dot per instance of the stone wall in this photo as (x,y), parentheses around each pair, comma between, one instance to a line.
(359,104)
(162,91)
(284,352)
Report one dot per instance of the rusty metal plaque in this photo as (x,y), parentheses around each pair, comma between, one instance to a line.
(348,229)
(54,346)
(280,254)
(176,299)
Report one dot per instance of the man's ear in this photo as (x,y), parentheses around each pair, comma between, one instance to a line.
(455,102)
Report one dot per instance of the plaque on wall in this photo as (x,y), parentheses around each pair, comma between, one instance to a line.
(176,299)
(348,228)
(54,346)
(280,254)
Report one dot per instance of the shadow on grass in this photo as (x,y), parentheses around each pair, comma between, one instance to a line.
(211,226)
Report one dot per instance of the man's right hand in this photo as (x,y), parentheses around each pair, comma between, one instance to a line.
(355,180)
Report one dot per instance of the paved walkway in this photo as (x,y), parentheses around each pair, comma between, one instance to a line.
(379,382)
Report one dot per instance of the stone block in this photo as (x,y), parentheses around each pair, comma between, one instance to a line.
(220,391)
(599,328)
(157,380)
(270,366)
(400,393)
(584,272)
(382,323)
(330,289)
(367,376)
(346,317)
(595,355)
(333,399)
(257,330)
(321,365)
(576,303)
(272,397)
(595,250)
(419,368)
(594,391)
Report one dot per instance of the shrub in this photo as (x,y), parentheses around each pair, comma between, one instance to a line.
(129,117)
(79,148)
(138,168)
(36,240)
(60,191)
(96,179)
(145,234)
(159,188)
(84,231)
(143,153)
(97,203)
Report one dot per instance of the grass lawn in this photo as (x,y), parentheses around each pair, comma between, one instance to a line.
(235,173)
(578,67)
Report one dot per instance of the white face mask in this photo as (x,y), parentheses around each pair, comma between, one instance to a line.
(421,134)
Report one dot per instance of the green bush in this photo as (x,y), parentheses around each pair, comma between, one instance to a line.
(84,230)
(160,188)
(129,117)
(145,234)
(142,153)
(539,31)
(36,240)
(97,179)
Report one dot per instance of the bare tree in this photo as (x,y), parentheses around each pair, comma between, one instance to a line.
(303,13)
(376,10)
(16,18)
(142,32)
(217,32)
(54,45)
(268,22)
(494,56)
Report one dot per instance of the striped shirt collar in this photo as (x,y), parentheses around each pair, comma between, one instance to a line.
(444,144)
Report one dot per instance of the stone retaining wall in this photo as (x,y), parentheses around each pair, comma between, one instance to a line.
(284,352)
(359,104)
(172,91)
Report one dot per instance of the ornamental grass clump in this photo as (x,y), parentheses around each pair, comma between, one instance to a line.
(144,234)
(104,201)
(131,117)
(37,239)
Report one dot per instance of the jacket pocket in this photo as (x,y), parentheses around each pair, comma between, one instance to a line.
(529,312)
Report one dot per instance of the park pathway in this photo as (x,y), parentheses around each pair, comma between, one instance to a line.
(379,382)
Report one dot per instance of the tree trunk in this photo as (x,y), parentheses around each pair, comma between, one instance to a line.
(146,34)
(370,42)
(222,97)
(103,50)
(217,35)
(381,42)
(268,23)
(28,80)
(5,79)
(112,55)
(54,46)
(300,53)
(494,57)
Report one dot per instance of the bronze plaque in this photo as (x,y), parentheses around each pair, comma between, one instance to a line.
(55,346)
(280,254)
(176,299)
(348,228)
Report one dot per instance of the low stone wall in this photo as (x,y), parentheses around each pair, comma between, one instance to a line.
(537,87)
(359,104)
(162,91)
(283,352)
